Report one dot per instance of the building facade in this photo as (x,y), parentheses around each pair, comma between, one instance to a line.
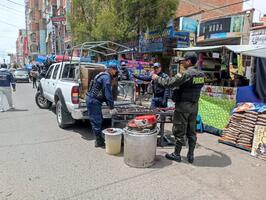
(46,27)
(258,33)
(20,47)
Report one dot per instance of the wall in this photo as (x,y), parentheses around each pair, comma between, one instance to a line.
(187,7)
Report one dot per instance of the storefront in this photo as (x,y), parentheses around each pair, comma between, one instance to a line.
(223,78)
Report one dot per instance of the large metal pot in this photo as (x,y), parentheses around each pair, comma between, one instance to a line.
(140,148)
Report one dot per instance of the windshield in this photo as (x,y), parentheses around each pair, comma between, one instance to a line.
(21,73)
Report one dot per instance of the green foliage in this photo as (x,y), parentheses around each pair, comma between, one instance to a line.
(118,20)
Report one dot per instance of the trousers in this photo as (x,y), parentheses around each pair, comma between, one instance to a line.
(95,115)
(5,92)
(184,124)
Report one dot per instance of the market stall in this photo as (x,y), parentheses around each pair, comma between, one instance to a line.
(227,68)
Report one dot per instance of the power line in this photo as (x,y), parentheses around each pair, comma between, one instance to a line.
(4,6)
(15,3)
(9,24)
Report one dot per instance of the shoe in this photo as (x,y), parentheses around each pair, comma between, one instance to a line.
(190,158)
(173,157)
(99,142)
(2,110)
(11,109)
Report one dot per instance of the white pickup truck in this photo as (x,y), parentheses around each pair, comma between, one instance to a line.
(65,85)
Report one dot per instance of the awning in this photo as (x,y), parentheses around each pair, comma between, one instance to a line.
(205,48)
(249,50)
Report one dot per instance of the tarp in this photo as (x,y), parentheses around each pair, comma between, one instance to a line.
(260,85)
(249,50)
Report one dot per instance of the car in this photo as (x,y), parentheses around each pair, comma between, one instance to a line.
(21,76)
(65,85)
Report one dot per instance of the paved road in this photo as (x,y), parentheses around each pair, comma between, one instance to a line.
(39,161)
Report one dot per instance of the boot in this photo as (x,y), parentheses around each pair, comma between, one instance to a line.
(99,141)
(190,154)
(175,156)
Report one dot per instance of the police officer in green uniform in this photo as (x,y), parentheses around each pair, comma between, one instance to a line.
(186,93)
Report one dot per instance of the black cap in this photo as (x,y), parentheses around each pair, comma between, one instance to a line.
(192,56)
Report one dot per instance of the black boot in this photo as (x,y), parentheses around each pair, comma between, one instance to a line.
(175,156)
(190,154)
(99,141)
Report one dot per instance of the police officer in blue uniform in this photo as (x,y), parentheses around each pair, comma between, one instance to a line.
(160,93)
(100,91)
(186,94)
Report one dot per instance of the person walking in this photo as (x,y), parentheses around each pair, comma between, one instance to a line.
(34,74)
(160,93)
(6,81)
(100,91)
(186,94)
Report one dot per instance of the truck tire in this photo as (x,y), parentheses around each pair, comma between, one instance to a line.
(63,117)
(41,102)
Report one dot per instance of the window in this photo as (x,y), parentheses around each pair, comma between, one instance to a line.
(56,71)
(69,71)
(49,72)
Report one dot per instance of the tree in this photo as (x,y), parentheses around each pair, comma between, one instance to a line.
(118,20)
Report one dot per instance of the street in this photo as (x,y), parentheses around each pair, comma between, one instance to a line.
(38,160)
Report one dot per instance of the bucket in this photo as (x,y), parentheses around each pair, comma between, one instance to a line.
(113,137)
(140,148)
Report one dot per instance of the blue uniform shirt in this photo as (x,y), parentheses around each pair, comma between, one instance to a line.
(6,79)
(103,88)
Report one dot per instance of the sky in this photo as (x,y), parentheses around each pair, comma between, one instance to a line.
(12,18)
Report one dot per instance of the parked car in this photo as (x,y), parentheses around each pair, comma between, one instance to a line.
(21,76)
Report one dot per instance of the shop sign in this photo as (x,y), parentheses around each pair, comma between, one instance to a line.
(258,37)
(188,24)
(42,42)
(151,42)
(58,19)
(183,39)
(25,46)
(53,40)
(221,28)
(215,26)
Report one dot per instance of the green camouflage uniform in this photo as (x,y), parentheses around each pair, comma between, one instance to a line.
(187,87)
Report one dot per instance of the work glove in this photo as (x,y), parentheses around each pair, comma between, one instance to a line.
(113,111)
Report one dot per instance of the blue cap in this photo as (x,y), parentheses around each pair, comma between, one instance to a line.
(112,65)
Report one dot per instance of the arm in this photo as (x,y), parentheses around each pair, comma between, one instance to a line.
(175,81)
(12,81)
(107,88)
(143,77)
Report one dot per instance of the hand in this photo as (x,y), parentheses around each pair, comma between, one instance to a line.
(14,90)
(154,77)
(113,112)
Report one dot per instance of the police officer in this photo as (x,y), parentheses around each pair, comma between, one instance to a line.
(160,93)
(186,94)
(100,91)
(6,81)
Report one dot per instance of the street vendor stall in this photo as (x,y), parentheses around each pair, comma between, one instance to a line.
(225,70)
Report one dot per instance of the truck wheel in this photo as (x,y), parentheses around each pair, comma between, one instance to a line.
(41,102)
(62,116)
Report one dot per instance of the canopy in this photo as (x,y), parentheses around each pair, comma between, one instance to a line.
(249,50)
(106,48)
